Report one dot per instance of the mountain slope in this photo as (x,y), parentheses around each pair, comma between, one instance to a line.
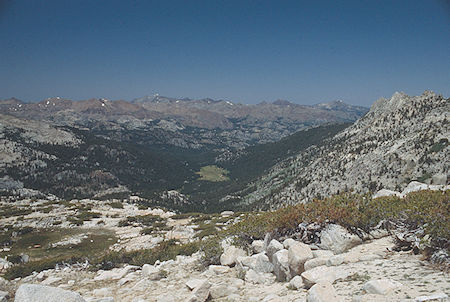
(400,139)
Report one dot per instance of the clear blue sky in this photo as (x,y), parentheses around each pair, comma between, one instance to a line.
(245,51)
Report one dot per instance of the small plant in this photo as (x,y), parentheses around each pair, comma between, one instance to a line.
(211,249)
(116,205)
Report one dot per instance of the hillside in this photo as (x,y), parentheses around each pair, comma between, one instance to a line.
(400,139)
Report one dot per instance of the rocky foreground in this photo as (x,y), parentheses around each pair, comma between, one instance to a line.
(272,271)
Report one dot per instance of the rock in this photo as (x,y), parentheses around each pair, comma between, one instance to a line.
(287,243)
(280,261)
(298,254)
(259,278)
(322,254)
(201,292)
(414,186)
(337,239)
(50,280)
(25,258)
(114,274)
(227,213)
(320,274)
(193,283)
(369,257)
(296,282)
(267,239)
(101,292)
(219,269)
(258,262)
(434,297)
(165,298)
(439,179)
(335,260)
(273,247)
(312,263)
(323,292)
(230,254)
(380,287)
(41,276)
(270,297)
(222,290)
(384,192)
(151,272)
(258,246)
(39,293)
(4,296)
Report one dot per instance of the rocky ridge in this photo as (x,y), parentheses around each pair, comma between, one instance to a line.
(400,139)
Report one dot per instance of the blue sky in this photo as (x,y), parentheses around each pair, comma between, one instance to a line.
(246,51)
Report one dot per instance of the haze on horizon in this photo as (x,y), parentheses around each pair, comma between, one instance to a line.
(246,51)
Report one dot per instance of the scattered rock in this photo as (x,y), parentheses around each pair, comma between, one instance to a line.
(335,260)
(259,278)
(193,283)
(298,254)
(337,239)
(323,292)
(200,292)
(441,297)
(219,269)
(39,293)
(4,296)
(151,272)
(385,192)
(227,213)
(320,274)
(380,287)
(222,290)
(273,247)
(312,263)
(165,298)
(322,253)
(280,261)
(258,246)
(230,254)
(296,282)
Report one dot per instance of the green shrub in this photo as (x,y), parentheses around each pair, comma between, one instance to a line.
(116,205)
(211,249)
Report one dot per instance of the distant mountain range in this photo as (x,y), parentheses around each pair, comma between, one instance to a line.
(152,145)
(232,124)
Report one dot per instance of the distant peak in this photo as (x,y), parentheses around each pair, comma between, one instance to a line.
(282,103)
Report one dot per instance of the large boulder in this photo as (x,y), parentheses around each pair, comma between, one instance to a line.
(298,254)
(201,292)
(39,293)
(273,247)
(280,261)
(386,192)
(323,292)
(320,274)
(259,263)
(258,246)
(337,239)
(151,272)
(381,287)
(230,254)
(312,263)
